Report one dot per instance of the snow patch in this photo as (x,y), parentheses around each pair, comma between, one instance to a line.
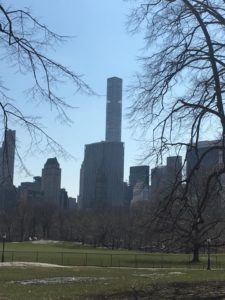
(31,264)
(55,280)
(175,273)
(45,242)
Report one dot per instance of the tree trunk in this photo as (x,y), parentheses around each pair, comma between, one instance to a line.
(195,257)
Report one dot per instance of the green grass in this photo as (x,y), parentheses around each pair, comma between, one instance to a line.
(111,283)
(176,276)
(72,254)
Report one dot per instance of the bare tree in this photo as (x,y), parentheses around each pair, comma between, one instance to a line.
(25,43)
(188,227)
(179,96)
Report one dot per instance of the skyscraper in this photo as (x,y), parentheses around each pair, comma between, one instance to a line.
(51,181)
(203,160)
(30,191)
(101,176)
(113,110)
(139,174)
(164,179)
(7,157)
(101,180)
(174,170)
(139,180)
(158,182)
(207,153)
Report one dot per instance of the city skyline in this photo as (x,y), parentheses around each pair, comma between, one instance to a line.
(98,52)
(112,152)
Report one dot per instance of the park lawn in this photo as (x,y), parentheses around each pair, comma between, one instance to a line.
(100,283)
(74,254)
(60,246)
(68,253)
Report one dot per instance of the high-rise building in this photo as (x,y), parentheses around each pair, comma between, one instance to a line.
(139,179)
(113,110)
(63,199)
(203,160)
(101,180)
(166,178)
(174,170)
(158,181)
(140,193)
(8,193)
(101,174)
(139,174)
(31,191)
(51,181)
(208,153)
(7,157)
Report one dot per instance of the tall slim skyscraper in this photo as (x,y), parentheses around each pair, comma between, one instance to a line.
(7,157)
(113,110)
(51,181)
(101,176)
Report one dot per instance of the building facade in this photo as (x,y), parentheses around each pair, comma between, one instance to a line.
(8,192)
(101,174)
(101,180)
(158,182)
(139,174)
(51,181)
(174,170)
(139,179)
(165,179)
(209,153)
(113,110)
(31,191)
(203,161)
(7,158)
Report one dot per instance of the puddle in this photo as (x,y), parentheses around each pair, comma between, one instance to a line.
(157,275)
(31,264)
(55,280)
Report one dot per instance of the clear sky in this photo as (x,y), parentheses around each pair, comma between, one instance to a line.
(100,48)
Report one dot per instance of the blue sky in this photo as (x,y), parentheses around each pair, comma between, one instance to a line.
(100,48)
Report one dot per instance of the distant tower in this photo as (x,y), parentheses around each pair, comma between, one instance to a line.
(51,181)
(101,175)
(7,157)
(113,110)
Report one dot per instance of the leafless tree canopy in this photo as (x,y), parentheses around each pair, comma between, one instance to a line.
(180,92)
(179,95)
(24,42)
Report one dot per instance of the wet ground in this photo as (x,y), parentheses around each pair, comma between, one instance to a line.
(179,291)
(211,290)
(55,280)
